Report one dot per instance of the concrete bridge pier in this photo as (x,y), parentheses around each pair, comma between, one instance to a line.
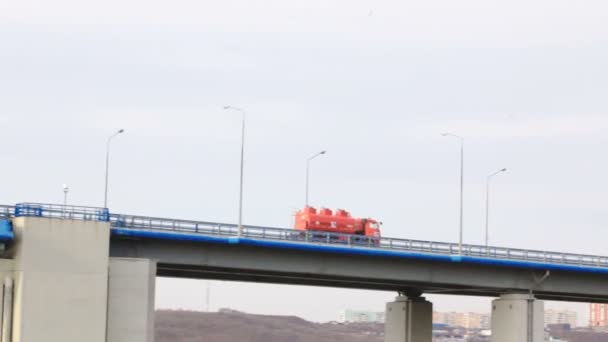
(517,318)
(409,319)
(131,290)
(65,287)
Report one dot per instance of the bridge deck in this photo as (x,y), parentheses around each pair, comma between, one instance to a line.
(132,225)
(197,249)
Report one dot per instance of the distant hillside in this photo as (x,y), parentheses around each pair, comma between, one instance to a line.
(230,326)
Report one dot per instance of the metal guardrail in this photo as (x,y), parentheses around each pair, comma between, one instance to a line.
(62,211)
(7,211)
(281,234)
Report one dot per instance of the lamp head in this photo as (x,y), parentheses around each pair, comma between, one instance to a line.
(121,131)
(504,170)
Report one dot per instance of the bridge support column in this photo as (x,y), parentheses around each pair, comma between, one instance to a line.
(517,318)
(61,280)
(409,320)
(131,300)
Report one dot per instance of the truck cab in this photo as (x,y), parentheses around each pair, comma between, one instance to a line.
(372,228)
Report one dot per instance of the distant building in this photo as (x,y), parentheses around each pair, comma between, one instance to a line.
(553,317)
(598,315)
(468,320)
(361,316)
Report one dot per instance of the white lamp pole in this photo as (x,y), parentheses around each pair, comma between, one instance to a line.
(66,189)
(308,172)
(488,203)
(105,197)
(65,200)
(240,227)
(461,140)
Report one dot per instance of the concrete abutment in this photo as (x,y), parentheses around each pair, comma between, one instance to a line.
(65,287)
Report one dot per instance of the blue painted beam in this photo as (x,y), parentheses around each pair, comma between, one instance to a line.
(6,231)
(172,236)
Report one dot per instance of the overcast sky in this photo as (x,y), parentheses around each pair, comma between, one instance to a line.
(373,82)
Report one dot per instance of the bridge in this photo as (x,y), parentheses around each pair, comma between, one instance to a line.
(135,249)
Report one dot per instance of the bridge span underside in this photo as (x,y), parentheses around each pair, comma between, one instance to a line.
(239,260)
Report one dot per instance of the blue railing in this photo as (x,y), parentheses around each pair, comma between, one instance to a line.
(62,211)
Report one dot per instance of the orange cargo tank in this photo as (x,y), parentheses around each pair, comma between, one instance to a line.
(341,222)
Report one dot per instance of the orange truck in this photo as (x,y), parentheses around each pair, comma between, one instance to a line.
(339,222)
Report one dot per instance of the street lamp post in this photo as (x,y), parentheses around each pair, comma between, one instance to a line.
(461,140)
(65,200)
(240,227)
(105,197)
(308,171)
(66,189)
(488,204)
